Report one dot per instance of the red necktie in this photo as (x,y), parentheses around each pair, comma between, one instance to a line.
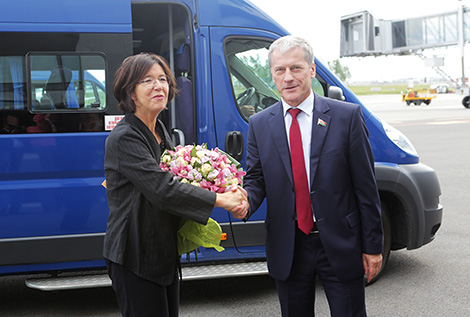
(303,204)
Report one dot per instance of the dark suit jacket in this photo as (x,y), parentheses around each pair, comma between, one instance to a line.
(343,188)
(146,204)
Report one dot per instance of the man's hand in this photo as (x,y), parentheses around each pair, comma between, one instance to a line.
(240,211)
(234,201)
(372,264)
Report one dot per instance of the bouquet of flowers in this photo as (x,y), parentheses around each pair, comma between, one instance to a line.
(213,170)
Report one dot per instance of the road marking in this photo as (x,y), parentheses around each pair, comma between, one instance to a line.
(441,122)
(448,122)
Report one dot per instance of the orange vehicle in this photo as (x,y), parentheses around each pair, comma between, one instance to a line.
(418,96)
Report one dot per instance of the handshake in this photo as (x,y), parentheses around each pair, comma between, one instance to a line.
(234,201)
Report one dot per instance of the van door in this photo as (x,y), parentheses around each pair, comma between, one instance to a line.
(242,86)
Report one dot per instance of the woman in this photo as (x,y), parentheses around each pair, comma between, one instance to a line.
(145,203)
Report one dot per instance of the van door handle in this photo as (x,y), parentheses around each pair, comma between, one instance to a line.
(234,144)
(177,137)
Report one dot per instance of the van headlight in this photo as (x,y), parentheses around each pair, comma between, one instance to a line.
(399,139)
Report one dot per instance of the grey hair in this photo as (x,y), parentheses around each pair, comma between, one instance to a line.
(288,42)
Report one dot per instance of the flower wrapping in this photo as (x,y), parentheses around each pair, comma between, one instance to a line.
(213,170)
(193,235)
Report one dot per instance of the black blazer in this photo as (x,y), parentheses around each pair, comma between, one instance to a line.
(145,203)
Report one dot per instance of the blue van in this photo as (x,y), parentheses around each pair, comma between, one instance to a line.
(57,108)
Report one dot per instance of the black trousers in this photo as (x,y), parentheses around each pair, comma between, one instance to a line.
(138,297)
(297,293)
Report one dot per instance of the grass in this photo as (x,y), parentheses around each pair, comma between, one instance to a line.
(383,89)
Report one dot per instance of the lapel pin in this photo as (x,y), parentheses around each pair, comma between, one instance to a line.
(321,122)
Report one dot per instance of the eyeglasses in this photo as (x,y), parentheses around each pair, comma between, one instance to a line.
(151,82)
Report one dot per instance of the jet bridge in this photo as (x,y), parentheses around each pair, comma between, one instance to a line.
(364,35)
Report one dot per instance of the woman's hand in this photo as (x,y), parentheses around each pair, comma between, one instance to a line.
(234,201)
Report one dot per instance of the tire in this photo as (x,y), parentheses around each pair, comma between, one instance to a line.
(466,101)
(408,102)
(417,102)
(387,240)
(427,102)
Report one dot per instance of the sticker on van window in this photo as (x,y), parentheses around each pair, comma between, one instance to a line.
(111,121)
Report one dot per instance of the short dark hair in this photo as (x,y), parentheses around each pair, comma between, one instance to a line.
(133,69)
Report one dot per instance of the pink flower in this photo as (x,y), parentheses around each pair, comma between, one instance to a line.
(209,169)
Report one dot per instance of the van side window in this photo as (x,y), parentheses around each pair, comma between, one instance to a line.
(55,82)
(319,85)
(12,83)
(252,84)
(66,82)
(58,82)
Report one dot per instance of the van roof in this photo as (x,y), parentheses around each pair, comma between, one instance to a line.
(103,16)
(114,16)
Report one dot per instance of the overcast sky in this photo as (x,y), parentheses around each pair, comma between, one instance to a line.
(319,22)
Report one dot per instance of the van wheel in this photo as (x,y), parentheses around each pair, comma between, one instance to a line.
(466,101)
(387,240)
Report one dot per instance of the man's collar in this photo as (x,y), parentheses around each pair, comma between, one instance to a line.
(306,105)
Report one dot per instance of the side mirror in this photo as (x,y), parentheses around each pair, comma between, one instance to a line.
(335,93)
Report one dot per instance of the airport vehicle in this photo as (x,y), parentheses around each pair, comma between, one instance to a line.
(419,96)
(53,209)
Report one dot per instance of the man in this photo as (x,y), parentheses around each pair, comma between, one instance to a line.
(316,170)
